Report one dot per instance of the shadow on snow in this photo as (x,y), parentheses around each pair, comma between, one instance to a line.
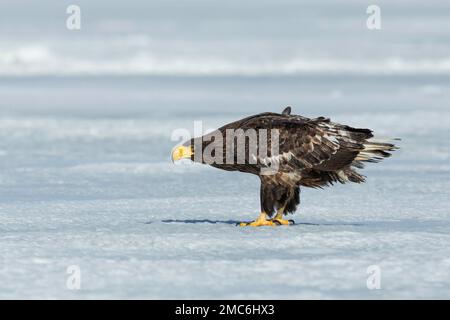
(234,222)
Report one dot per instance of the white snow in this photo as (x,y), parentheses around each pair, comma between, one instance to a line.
(150,229)
(85,173)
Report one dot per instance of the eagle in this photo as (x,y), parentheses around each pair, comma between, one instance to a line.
(286,152)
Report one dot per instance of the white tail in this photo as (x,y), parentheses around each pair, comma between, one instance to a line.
(375,150)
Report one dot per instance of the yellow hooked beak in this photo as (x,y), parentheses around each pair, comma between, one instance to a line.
(181,152)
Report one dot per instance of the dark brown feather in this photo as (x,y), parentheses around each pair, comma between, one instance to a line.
(312,152)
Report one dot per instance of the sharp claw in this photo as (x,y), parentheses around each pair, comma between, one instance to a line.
(283,222)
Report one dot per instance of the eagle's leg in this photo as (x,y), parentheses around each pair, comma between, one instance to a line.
(259,222)
(278,219)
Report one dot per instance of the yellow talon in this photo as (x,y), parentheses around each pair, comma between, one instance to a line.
(278,219)
(257,224)
(261,221)
(282,222)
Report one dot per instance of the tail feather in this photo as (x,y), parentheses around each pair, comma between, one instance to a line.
(374,151)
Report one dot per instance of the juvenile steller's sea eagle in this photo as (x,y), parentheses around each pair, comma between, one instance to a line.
(311,153)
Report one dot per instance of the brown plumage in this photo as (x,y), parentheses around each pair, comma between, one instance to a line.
(312,153)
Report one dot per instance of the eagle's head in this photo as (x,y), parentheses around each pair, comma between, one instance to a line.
(201,149)
(184,151)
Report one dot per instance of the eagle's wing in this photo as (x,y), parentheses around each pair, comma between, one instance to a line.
(317,143)
(313,143)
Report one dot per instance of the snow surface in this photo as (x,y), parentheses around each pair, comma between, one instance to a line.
(101,193)
(86,119)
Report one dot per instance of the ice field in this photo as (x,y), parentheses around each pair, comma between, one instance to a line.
(85,138)
(101,193)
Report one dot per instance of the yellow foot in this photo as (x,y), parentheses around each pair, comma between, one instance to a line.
(278,219)
(262,221)
(258,223)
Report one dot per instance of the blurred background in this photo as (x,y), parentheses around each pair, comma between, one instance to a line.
(86,118)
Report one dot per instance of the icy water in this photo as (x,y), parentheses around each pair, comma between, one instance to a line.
(85,139)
